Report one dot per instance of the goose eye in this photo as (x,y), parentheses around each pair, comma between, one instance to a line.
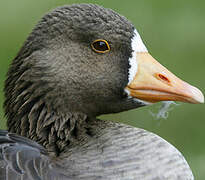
(100,46)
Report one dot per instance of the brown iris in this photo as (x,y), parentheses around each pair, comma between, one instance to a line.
(100,46)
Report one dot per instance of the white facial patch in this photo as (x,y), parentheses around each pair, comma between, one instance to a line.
(137,46)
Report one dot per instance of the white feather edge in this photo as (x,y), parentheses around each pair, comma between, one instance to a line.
(137,46)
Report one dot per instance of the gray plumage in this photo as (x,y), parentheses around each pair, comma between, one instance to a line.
(56,87)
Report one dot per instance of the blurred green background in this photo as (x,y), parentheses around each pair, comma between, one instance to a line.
(174,33)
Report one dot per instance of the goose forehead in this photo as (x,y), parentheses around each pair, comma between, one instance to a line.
(137,45)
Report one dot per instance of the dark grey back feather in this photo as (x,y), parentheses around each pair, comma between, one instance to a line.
(23,159)
(130,154)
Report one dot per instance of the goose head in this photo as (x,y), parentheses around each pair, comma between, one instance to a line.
(88,59)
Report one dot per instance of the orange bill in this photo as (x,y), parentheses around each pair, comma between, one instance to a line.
(154,83)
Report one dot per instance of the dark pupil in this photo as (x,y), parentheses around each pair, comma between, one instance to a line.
(100,46)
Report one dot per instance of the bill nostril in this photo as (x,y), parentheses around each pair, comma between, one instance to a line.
(163,78)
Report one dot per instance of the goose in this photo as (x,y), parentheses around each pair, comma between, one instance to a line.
(81,61)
